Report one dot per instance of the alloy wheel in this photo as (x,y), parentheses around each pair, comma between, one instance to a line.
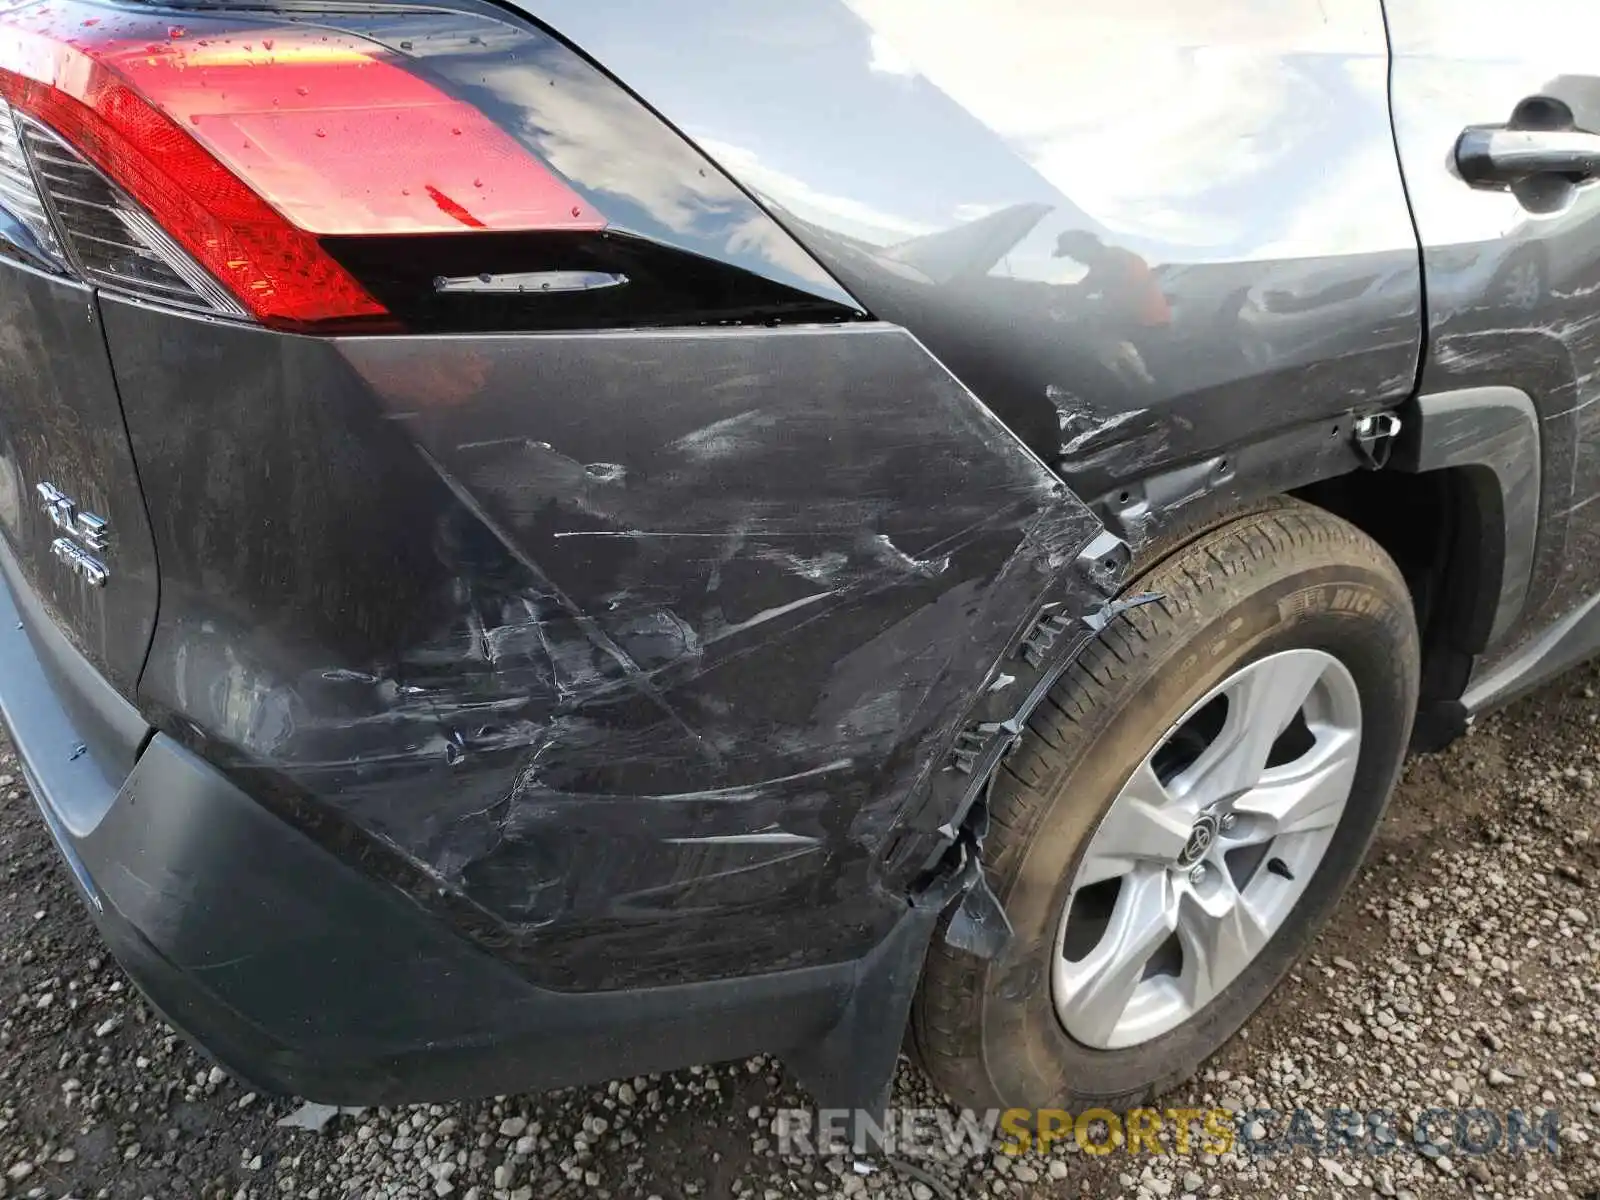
(1206,849)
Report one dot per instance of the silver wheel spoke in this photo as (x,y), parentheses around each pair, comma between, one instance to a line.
(1181,927)
(1143,825)
(1262,700)
(1304,795)
(1092,994)
(1220,935)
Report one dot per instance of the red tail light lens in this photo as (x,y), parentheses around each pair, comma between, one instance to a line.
(340,138)
(248,142)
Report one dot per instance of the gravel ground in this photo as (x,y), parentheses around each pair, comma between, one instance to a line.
(1462,970)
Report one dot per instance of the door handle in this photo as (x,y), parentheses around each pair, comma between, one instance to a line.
(1494,156)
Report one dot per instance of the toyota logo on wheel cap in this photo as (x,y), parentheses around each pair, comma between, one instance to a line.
(1200,840)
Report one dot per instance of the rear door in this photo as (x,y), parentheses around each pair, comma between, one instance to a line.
(1512,254)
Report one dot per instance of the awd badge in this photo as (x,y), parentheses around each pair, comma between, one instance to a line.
(87,535)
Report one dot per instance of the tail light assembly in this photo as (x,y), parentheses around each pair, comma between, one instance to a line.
(379,169)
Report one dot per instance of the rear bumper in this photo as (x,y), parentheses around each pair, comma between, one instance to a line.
(300,973)
(518,742)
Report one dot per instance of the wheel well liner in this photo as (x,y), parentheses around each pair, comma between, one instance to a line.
(1458,510)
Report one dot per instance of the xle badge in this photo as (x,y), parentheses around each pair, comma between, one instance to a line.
(88,535)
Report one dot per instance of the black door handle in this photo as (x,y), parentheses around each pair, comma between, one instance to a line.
(1494,156)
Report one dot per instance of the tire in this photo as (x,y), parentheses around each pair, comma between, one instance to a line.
(1284,576)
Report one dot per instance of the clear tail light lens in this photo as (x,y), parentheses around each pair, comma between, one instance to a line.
(19,195)
(111,239)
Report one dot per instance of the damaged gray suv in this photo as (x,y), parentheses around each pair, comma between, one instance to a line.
(549,540)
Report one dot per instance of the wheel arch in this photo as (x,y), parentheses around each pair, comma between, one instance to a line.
(1457,506)
(1088,735)
(1458,510)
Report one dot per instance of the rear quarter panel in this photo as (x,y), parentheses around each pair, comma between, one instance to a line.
(1235,159)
